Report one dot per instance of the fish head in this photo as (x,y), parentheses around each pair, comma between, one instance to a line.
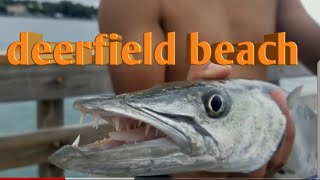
(216,126)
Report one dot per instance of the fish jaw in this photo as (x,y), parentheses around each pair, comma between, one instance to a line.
(117,107)
(173,153)
(129,160)
(156,157)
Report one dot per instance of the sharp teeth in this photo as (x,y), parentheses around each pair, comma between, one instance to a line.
(96,119)
(157,132)
(82,115)
(147,129)
(140,122)
(76,142)
(117,123)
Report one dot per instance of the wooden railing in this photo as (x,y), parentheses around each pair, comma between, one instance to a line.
(48,85)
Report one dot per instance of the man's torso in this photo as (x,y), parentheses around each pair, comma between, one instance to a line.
(216,21)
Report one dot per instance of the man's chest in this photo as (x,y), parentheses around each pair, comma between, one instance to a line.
(216,21)
(220,20)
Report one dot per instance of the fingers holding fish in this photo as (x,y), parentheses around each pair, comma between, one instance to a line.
(283,153)
(209,71)
(260,173)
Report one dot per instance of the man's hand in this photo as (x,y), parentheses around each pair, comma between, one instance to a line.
(209,71)
(216,72)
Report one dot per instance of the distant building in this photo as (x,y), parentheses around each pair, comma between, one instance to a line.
(17,10)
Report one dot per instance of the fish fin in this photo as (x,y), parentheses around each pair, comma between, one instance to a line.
(293,96)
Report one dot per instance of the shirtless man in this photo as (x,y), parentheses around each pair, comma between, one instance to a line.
(218,20)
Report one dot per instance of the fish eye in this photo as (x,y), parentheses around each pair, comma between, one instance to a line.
(216,105)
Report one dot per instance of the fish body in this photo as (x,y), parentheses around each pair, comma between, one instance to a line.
(214,126)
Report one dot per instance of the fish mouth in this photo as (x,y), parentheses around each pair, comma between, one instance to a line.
(141,138)
(131,124)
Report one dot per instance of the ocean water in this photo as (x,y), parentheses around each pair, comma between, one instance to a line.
(20,117)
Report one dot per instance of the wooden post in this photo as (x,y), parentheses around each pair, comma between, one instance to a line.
(50,114)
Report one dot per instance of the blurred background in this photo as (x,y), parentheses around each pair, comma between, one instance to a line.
(58,21)
(75,20)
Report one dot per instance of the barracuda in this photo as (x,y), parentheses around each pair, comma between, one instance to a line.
(215,126)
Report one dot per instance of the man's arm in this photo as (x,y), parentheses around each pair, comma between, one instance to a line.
(302,29)
(130,19)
